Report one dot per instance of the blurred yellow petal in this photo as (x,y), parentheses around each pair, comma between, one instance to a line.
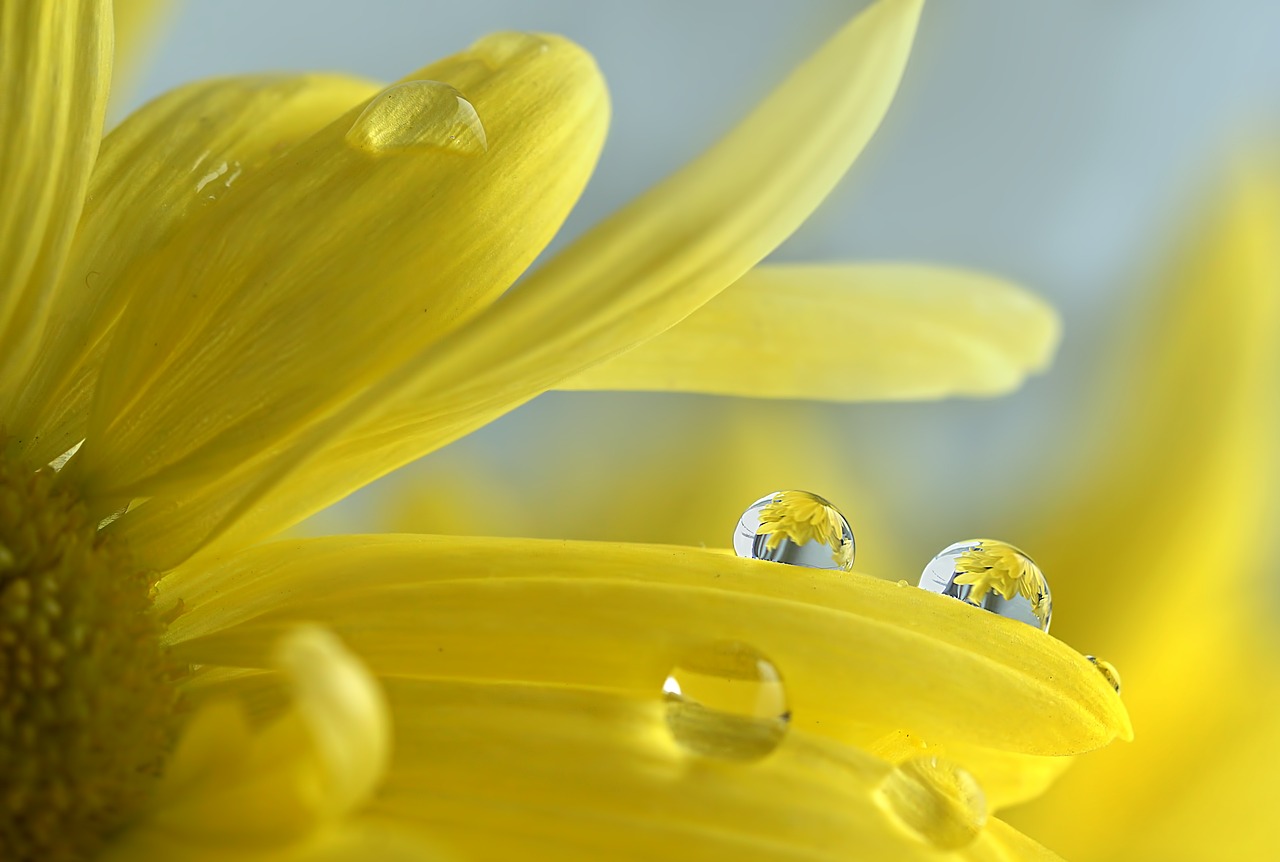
(1170,541)
(55,64)
(861,332)
(855,651)
(285,786)
(137,23)
(409,236)
(632,277)
(213,134)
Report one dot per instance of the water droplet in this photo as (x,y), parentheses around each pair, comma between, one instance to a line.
(726,700)
(1108,671)
(797,528)
(498,49)
(937,801)
(419,114)
(992,575)
(218,179)
(903,584)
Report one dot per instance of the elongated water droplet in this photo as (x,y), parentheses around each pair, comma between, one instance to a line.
(993,575)
(936,801)
(419,114)
(1108,671)
(726,700)
(798,528)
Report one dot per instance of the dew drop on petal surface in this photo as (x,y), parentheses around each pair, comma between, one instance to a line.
(992,575)
(937,801)
(1108,671)
(726,700)
(797,528)
(416,115)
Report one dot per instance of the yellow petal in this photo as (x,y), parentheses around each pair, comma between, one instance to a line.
(1170,540)
(168,167)
(137,23)
(227,786)
(855,651)
(339,260)
(630,278)
(845,333)
(55,65)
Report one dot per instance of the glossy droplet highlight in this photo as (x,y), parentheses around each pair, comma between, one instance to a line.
(936,801)
(419,114)
(797,528)
(992,575)
(726,700)
(500,49)
(1108,671)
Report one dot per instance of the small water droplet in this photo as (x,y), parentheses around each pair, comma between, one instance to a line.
(1108,671)
(419,114)
(726,700)
(798,528)
(498,49)
(936,801)
(992,575)
(903,584)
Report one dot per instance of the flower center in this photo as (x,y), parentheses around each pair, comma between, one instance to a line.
(86,692)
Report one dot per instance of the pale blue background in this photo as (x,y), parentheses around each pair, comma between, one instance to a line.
(1059,143)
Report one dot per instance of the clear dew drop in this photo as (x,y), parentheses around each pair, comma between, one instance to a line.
(797,528)
(937,801)
(416,115)
(499,49)
(1108,671)
(726,700)
(993,575)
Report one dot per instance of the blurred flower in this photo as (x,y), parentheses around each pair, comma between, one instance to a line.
(1161,549)
(263,292)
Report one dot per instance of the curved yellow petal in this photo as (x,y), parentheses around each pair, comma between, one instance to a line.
(633,276)
(861,332)
(855,651)
(1170,540)
(340,260)
(169,166)
(229,787)
(55,65)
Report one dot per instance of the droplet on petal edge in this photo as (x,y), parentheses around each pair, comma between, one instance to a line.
(417,115)
(726,700)
(936,801)
(797,528)
(992,575)
(1108,671)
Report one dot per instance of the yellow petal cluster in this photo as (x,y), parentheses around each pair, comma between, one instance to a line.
(259,293)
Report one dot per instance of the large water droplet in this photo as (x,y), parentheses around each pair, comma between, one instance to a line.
(936,801)
(798,528)
(419,114)
(992,575)
(1108,671)
(726,700)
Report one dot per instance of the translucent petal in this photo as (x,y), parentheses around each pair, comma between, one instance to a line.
(635,275)
(166,169)
(855,651)
(55,65)
(333,265)
(868,332)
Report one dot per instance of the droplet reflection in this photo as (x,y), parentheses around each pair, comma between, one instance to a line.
(726,700)
(1108,671)
(992,575)
(798,528)
(419,114)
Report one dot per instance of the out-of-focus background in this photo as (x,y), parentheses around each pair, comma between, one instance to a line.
(1071,146)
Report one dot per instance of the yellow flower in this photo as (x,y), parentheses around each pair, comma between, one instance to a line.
(1182,491)
(994,566)
(258,294)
